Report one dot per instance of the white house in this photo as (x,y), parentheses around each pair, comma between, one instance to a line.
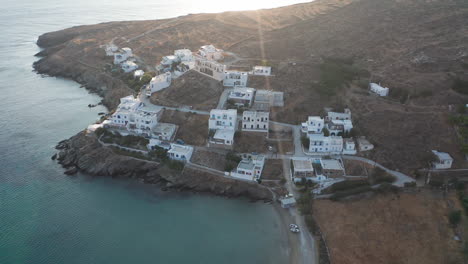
(444,160)
(332,168)
(302,169)
(153,143)
(261,70)
(337,126)
(123,55)
(250,167)
(235,78)
(222,137)
(349,146)
(339,116)
(364,144)
(158,83)
(314,124)
(131,116)
(164,131)
(129,66)
(180,152)
(379,90)
(223,119)
(211,68)
(255,121)
(169,60)
(184,55)
(242,96)
(210,52)
(321,144)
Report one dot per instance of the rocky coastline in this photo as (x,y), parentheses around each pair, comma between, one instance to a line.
(83,153)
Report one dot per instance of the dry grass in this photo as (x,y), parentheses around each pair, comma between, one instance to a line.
(193,128)
(246,142)
(191,89)
(211,159)
(408,228)
(273,170)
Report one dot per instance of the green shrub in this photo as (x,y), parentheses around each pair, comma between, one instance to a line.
(460,86)
(455,217)
(305,141)
(175,165)
(342,194)
(348,184)
(410,184)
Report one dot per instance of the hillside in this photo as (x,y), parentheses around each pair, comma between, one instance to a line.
(409,228)
(415,47)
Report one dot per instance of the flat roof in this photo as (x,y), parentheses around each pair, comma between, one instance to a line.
(302,165)
(289,200)
(246,165)
(164,128)
(442,155)
(181,149)
(224,134)
(331,164)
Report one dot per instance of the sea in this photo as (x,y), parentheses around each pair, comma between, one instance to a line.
(47,217)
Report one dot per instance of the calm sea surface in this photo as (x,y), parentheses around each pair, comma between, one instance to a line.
(46,217)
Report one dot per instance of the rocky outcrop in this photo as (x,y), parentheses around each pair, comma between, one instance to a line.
(84,153)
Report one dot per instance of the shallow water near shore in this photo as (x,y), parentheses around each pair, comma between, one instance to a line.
(47,217)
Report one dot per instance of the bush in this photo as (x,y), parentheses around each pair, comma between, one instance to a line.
(231,156)
(379,176)
(175,165)
(455,217)
(346,185)
(410,184)
(387,188)
(305,142)
(342,194)
(460,86)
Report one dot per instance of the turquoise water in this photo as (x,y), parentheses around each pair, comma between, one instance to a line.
(46,217)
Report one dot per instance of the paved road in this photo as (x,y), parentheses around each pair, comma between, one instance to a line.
(401,178)
(223,98)
(308,245)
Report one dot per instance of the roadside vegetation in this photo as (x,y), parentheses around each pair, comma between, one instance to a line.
(130,141)
(460,121)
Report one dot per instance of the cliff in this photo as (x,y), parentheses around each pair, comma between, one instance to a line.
(84,153)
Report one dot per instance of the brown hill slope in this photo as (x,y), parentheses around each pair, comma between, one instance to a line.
(414,46)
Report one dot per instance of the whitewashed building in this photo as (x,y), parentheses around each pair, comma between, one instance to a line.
(123,55)
(302,169)
(339,116)
(261,70)
(349,146)
(313,125)
(444,160)
(338,126)
(241,96)
(322,144)
(131,116)
(379,90)
(169,60)
(235,79)
(364,144)
(129,66)
(223,119)
(222,138)
(180,152)
(164,131)
(184,55)
(159,83)
(332,168)
(211,68)
(255,121)
(250,167)
(210,52)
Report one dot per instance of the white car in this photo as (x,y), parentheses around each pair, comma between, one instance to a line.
(293,226)
(294,230)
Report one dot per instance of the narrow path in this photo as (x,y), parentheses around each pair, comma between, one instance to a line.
(401,178)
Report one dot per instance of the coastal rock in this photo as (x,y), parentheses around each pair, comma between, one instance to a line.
(84,153)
